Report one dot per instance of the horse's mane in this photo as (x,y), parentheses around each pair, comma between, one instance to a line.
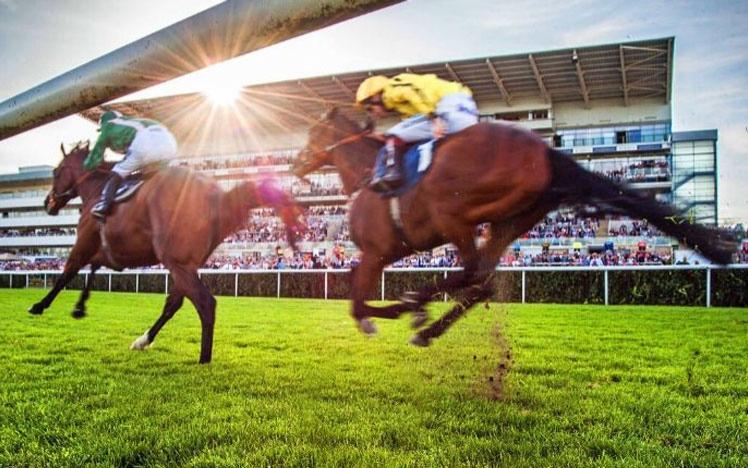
(370,146)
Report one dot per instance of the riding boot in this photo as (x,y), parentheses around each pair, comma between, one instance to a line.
(104,206)
(393,176)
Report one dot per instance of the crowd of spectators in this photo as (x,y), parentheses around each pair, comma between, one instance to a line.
(563,226)
(609,258)
(35,232)
(315,190)
(32,264)
(232,163)
(635,229)
(650,170)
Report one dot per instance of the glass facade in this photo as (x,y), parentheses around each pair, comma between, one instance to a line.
(694,160)
(645,133)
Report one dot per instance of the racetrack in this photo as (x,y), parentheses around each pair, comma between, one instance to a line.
(293,383)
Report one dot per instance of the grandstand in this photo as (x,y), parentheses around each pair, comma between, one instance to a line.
(608,106)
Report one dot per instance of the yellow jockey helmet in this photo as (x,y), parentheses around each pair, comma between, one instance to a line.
(371,86)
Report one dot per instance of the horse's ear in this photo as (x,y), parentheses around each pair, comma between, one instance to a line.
(62,148)
(330,114)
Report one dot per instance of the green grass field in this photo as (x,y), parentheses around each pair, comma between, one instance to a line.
(293,383)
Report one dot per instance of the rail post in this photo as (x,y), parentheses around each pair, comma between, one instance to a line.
(445,294)
(382,286)
(605,285)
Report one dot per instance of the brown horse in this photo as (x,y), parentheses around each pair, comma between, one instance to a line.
(487,173)
(177,218)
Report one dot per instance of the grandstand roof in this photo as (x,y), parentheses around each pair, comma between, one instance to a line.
(625,71)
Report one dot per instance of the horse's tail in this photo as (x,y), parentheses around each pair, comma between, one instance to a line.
(572,184)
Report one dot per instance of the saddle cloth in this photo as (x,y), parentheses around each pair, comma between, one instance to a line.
(415,164)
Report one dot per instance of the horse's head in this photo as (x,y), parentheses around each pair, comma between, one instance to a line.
(65,178)
(331,132)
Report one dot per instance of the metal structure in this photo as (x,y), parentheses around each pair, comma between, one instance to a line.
(227,30)
(625,71)
(45,278)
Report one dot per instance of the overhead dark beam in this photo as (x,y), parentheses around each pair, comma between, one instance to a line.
(227,30)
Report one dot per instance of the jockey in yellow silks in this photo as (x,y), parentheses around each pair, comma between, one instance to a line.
(430,107)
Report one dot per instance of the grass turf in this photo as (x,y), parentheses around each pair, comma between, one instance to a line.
(293,383)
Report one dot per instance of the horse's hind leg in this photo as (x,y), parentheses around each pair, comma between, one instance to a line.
(80,307)
(476,293)
(173,302)
(187,282)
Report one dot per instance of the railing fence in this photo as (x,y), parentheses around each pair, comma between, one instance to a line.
(696,286)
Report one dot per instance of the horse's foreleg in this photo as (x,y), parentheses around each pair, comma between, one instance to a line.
(365,276)
(173,303)
(80,307)
(69,272)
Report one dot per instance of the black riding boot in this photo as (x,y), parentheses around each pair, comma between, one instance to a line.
(101,209)
(393,176)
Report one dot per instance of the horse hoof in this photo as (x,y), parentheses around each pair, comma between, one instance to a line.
(141,343)
(419,319)
(420,341)
(367,327)
(36,309)
(78,313)
(410,298)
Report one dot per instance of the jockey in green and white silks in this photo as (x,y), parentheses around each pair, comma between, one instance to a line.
(143,142)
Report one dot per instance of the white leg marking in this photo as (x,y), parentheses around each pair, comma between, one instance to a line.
(141,343)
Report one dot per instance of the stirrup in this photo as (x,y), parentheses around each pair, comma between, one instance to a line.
(99,211)
(379,185)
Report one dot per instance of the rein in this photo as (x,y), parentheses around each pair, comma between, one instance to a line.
(72,190)
(345,141)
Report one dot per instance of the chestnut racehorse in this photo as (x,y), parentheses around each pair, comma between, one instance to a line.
(177,218)
(487,173)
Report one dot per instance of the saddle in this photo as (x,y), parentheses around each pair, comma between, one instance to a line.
(134,181)
(415,164)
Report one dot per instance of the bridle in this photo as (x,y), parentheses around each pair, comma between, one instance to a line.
(344,141)
(72,192)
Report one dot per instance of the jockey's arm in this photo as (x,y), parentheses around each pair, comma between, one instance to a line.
(96,156)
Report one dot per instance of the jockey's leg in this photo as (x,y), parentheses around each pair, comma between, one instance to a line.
(410,130)
(102,209)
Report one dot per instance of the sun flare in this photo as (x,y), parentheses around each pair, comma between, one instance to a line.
(222,95)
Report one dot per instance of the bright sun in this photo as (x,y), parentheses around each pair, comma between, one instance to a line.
(222,95)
